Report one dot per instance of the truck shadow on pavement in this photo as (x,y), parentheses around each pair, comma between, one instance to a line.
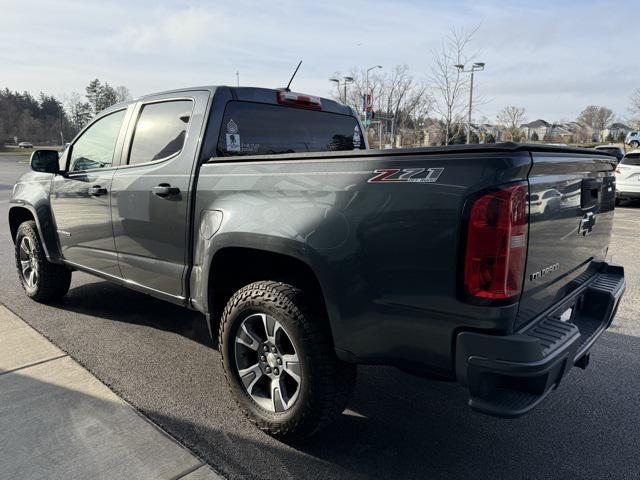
(396,426)
(112,302)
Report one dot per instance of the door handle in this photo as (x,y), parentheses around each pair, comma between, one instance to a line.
(165,190)
(96,191)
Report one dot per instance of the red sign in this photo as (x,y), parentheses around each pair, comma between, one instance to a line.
(367,101)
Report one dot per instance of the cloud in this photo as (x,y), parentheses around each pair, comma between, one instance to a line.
(170,30)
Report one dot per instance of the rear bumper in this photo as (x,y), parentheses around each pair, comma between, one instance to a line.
(507,376)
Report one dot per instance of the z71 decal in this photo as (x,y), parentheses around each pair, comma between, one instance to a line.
(411,175)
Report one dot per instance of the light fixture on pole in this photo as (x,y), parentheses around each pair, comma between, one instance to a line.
(476,67)
(345,81)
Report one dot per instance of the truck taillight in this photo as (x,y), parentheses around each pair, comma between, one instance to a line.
(496,248)
(299,100)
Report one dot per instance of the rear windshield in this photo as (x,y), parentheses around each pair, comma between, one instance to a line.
(260,129)
(631,159)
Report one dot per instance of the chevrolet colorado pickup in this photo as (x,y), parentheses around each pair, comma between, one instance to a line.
(309,254)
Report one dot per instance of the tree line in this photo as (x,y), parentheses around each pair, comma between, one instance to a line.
(49,120)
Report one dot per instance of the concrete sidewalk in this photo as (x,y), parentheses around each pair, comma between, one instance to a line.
(58,421)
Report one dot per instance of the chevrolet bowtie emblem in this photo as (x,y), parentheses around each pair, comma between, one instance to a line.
(587,223)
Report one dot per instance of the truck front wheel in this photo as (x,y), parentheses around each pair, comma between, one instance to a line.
(42,280)
(279,361)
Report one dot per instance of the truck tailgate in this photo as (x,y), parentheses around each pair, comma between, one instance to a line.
(571,202)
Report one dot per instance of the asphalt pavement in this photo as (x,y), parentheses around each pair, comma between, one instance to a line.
(159,358)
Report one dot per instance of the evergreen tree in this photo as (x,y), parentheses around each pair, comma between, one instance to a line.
(94,94)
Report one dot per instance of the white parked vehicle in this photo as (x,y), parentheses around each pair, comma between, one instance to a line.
(633,139)
(628,177)
(25,145)
(615,150)
(545,202)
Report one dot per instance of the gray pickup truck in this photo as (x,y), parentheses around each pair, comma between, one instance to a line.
(309,254)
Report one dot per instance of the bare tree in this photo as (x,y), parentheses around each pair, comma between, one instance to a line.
(596,117)
(398,99)
(449,86)
(635,102)
(512,118)
(122,94)
(635,107)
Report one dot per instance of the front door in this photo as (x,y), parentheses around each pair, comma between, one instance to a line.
(151,191)
(80,197)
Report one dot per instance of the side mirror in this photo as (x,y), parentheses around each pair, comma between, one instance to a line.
(45,161)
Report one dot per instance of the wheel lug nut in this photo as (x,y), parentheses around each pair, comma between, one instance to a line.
(263,358)
(276,371)
(268,369)
(273,349)
(266,348)
(279,361)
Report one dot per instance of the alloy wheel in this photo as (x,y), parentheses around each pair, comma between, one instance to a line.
(28,262)
(267,362)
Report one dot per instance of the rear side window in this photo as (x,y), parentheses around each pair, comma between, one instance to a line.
(633,159)
(260,129)
(160,131)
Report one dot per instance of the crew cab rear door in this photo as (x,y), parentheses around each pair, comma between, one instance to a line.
(569,229)
(151,191)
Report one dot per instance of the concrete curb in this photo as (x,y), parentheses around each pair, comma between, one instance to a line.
(59,421)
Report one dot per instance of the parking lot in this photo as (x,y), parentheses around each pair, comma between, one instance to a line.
(159,358)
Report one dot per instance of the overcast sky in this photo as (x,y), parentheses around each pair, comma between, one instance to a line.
(552,57)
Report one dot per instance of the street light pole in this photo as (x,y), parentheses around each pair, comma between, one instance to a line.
(346,81)
(476,67)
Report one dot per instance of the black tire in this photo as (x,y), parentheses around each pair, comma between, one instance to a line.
(52,281)
(326,382)
(634,144)
(618,201)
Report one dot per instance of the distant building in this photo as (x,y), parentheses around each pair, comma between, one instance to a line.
(616,130)
(487,129)
(539,127)
(432,133)
(560,133)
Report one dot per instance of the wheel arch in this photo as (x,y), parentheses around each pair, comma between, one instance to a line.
(23,213)
(224,278)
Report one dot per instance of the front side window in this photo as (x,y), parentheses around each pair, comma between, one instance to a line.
(160,131)
(94,149)
(261,129)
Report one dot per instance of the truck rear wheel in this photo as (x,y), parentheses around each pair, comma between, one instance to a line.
(279,361)
(41,280)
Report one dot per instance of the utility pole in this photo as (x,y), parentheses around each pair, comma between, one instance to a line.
(476,67)
(237,78)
